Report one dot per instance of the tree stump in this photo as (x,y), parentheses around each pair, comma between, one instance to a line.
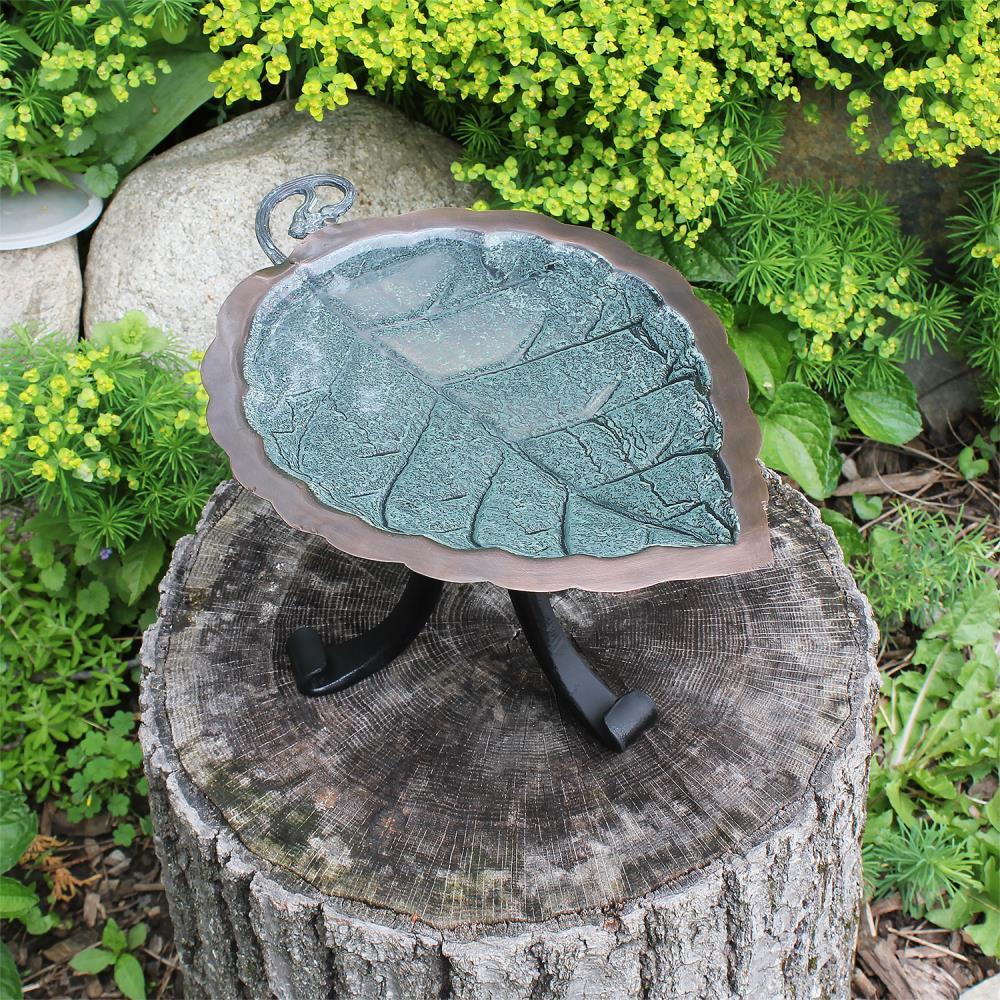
(440,830)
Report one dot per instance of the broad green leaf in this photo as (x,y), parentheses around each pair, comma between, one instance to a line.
(936,784)
(987,933)
(57,79)
(35,922)
(901,803)
(113,937)
(957,914)
(24,40)
(137,936)
(91,960)
(43,551)
(53,577)
(10,980)
(93,599)
(124,835)
(765,352)
(82,142)
(152,112)
(15,897)
(18,828)
(51,526)
(141,565)
(102,179)
(878,826)
(641,240)
(710,261)
(887,413)
(123,151)
(122,723)
(129,977)
(992,811)
(118,804)
(974,617)
(970,466)
(719,304)
(867,508)
(798,439)
(85,552)
(846,532)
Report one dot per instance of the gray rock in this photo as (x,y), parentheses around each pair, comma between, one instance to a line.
(989,989)
(821,152)
(946,389)
(179,234)
(42,288)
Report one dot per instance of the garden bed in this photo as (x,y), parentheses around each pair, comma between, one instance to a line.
(826,179)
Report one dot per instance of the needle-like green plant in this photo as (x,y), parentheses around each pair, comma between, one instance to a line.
(975,250)
(110,435)
(480,133)
(835,263)
(926,863)
(918,562)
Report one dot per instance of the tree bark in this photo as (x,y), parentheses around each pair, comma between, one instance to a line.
(441,831)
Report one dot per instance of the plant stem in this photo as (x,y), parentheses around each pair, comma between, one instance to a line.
(900,754)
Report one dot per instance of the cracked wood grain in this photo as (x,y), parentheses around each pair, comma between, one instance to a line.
(440,831)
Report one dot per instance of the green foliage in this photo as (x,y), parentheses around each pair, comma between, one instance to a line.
(919,563)
(109,440)
(110,436)
(10,978)
(117,952)
(65,671)
(616,105)
(975,236)
(108,771)
(885,413)
(798,439)
(93,86)
(867,508)
(933,832)
(762,344)
(974,459)
(924,861)
(845,531)
(18,828)
(834,263)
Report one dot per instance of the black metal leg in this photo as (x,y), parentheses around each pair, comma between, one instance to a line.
(322,668)
(615,721)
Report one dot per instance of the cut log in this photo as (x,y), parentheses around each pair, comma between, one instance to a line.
(442,831)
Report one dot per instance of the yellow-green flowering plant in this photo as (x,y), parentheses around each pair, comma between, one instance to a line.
(105,459)
(835,263)
(92,85)
(614,106)
(109,435)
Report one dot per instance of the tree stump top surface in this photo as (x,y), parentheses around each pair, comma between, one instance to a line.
(449,786)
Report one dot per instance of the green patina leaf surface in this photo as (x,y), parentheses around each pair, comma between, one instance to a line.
(493,391)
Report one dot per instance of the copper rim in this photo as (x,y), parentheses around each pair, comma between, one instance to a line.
(222,374)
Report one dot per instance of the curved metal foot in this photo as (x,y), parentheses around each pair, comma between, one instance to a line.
(322,668)
(616,721)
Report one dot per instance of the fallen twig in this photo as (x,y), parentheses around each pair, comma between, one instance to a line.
(890,483)
(928,944)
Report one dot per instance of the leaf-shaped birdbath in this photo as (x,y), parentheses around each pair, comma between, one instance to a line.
(488,396)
